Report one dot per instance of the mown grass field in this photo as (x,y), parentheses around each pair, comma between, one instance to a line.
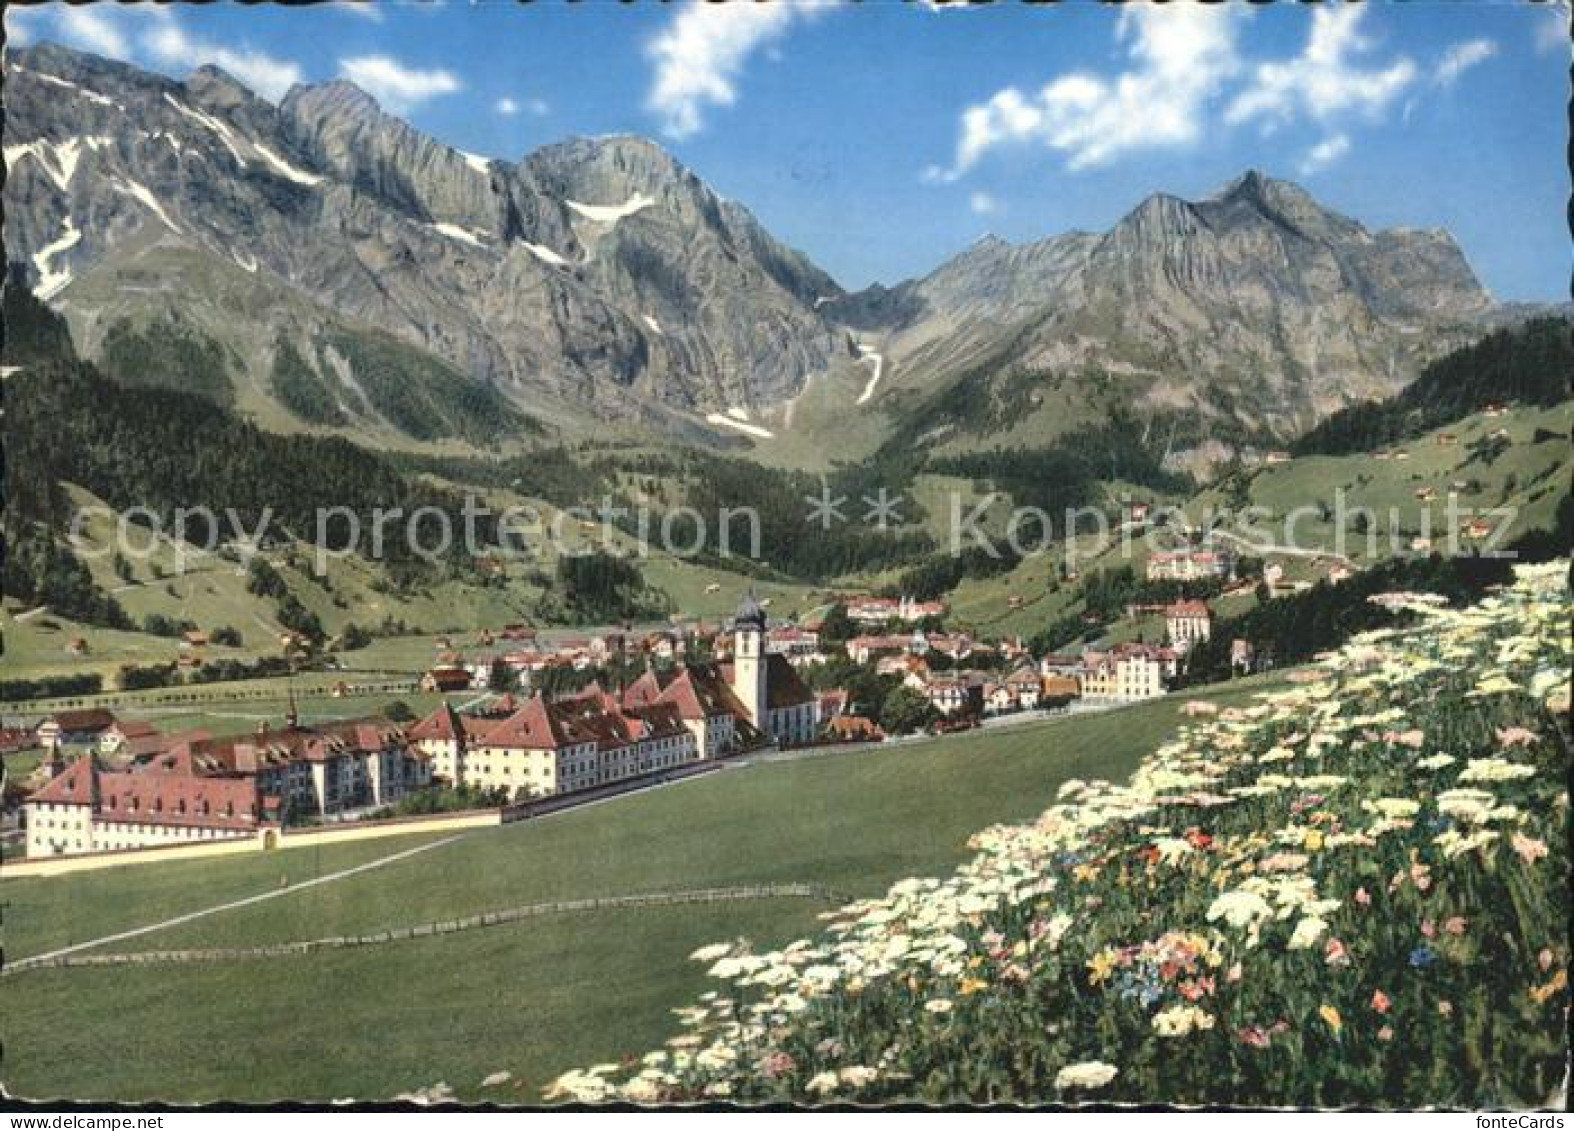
(531,998)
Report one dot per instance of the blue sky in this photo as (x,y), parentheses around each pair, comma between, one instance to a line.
(883,137)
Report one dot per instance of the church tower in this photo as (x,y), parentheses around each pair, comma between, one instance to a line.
(748,658)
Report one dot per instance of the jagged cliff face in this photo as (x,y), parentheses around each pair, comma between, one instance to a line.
(600,274)
(1257,298)
(600,280)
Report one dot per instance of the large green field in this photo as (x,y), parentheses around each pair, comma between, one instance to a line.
(530,998)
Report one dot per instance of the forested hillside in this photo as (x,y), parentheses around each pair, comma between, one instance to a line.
(1529,364)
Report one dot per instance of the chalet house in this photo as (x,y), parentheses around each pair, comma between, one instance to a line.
(1137,512)
(1059,664)
(958,695)
(1188,623)
(1059,690)
(860,649)
(130,739)
(81,728)
(998,698)
(447,679)
(792,641)
(1025,686)
(1274,459)
(1243,655)
(1128,673)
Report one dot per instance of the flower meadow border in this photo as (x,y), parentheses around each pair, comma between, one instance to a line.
(1353,892)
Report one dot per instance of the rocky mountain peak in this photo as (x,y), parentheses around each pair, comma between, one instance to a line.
(215,88)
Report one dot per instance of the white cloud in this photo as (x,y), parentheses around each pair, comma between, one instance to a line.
(366,9)
(93,29)
(700,56)
(21,25)
(983,204)
(1461,57)
(510,107)
(1180,57)
(170,44)
(398,87)
(1324,154)
(1552,29)
(1325,82)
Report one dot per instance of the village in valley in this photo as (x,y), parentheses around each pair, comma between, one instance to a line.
(526,719)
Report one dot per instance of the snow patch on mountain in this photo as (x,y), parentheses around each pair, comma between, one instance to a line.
(463,235)
(867,354)
(212,123)
(727,421)
(612,213)
(59,159)
(51,283)
(284,168)
(476,161)
(56,80)
(143,195)
(545,254)
(655,327)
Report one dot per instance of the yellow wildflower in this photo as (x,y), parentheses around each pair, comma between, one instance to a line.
(1101,966)
(1331,1015)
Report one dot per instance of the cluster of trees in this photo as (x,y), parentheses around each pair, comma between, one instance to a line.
(896,708)
(40,571)
(157,624)
(263,580)
(1107,592)
(171,354)
(141,677)
(1068,473)
(792,542)
(420,395)
(937,575)
(1293,629)
(299,619)
(302,390)
(51,687)
(424,802)
(604,588)
(165,449)
(1529,364)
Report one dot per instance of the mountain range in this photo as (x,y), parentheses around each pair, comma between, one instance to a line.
(322,265)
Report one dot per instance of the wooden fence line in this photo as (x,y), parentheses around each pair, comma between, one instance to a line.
(427,930)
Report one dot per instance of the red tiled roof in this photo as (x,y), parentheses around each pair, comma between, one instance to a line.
(92,718)
(74,786)
(442,723)
(532,727)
